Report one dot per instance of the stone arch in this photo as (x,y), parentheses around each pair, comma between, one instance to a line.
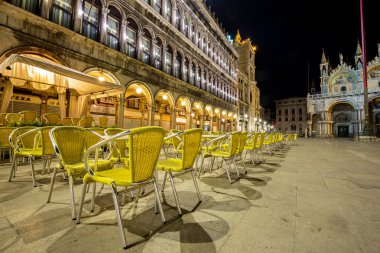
(187,103)
(170,96)
(136,20)
(150,30)
(198,105)
(330,106)
(97,72)
(117,6)
(36,51)
(145,88)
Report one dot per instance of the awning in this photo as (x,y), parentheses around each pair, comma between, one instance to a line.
(84,84)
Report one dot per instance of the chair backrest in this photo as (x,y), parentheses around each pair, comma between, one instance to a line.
(75,121)
(242,141)
(144,149)
(47,145)
(69,143)
(3,119)
(5,132)
(91,138)
(103,122)
(86,121)
(13,118)
(67,122)
(121,144)
(190,147)
(28,116)
(234,142)
(295,137)
(262,138)
(51,118)
(28,141)
(289,137)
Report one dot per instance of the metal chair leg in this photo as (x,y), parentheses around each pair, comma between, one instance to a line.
(201,168)
(118,215)
(71,184)
(196,186)
(52,184)
(13,171)
(158,200)
(236,167)
(163,183)
(31,158)
(93,197)
(175,193)
(81,203)
(228,172)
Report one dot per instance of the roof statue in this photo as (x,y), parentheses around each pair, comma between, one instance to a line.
(238,37)
(341,58)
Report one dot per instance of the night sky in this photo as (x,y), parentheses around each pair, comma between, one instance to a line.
(289,34)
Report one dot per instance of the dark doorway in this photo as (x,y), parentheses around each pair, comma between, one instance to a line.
(342,131)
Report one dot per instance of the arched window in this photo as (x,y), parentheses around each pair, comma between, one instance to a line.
(132,29)
(61,12)
(199,42)
(192,74)
(178,66)
(204,81)
(113,28)
(198,78)
(91,11)
(158,54)
(28,5)
(147,1)
(343,89)
(186,68)
(177,20)
(169,15)
(169,60)
(204,45)
(158,6)
(146,43)
(186,27)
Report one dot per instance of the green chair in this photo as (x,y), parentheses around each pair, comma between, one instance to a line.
(191,140)
(144,147)
(70,144)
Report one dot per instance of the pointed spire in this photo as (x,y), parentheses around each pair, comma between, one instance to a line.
(378,49)
(238,37)
(341,58)
(358,49)
(324,60)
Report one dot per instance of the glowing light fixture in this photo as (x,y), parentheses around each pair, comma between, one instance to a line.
(223,112)
(192,115)
(101,78)
(245,115)
(183,103)
(216,110)
(197,106)
(139,90)
(164,97)
(235,116)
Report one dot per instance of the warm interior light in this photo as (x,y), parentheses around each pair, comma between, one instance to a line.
(164,97)
(183,103)
(101,78)
(216,110)
(197,106)
(229,114)
(235,116)
(192,115)
(223,112)
(139,90)
(245,115)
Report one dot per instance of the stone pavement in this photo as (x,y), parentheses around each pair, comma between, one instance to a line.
(314,196)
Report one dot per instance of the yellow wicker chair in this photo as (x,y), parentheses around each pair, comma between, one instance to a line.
(294,138)
(70,144)
(103,122)
(3,119)
(24,141)
(191,140)
(117,147)
(144,148)
(251,146)
(228,155)
(240,149)
(75,121)
(5,132)
(28,116)
(67,122)
(13,118)
(51,118)
(86,121)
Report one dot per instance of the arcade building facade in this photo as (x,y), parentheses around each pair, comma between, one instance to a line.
(139,62)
